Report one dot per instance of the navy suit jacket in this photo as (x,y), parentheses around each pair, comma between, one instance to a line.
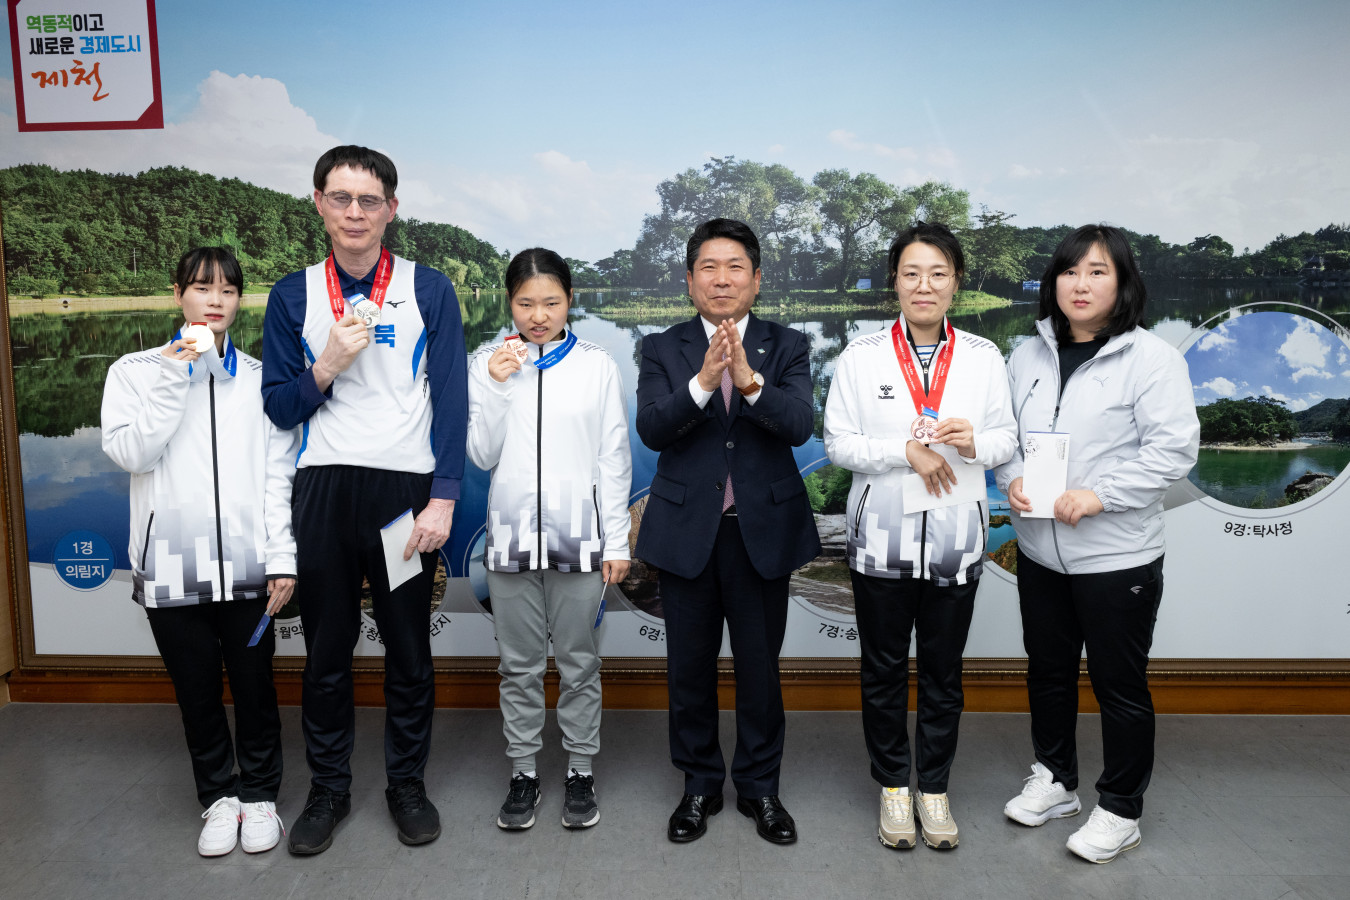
(698,447)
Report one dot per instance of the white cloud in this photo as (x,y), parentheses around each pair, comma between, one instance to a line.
(243,126)
(849,141)
(1017,170)
(246,127)
(556,201)
(1221,386)
(1217,339)
(1295,404)
(776,150)
(1306,351)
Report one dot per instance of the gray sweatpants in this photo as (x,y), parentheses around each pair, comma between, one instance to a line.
(528,607)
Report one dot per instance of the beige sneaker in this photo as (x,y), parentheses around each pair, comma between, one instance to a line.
(935,818)
(897,819)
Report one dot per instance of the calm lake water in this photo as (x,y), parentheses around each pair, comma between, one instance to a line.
(1255,479)
(61,360)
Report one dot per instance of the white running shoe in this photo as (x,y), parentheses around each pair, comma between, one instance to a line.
(897,819)
(221,831)
(1042,799)
(1105,836)
(261,829)
(935,821)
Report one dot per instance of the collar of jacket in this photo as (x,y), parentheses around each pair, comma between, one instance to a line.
(1114,344)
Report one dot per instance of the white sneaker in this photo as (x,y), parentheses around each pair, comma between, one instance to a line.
(221,831)
(1105,836)
(1042,799)
(261,829)
(935,821)
(897,818)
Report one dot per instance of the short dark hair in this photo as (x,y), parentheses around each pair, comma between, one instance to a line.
(203,264)
(1131,293)
(373,161)
(936,235)
(721,228)
(535,262)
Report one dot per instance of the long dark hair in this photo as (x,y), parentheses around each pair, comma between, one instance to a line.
(1131,294)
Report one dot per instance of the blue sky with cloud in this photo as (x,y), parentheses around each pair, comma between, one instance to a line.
(1270,354)
(535,122)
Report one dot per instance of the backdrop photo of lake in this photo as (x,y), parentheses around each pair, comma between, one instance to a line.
(1271,388)
(61,360)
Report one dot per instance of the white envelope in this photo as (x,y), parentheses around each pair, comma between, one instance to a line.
(969,486)
(395,536)
(1045,471)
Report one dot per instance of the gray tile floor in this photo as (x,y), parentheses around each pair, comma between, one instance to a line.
(96,801)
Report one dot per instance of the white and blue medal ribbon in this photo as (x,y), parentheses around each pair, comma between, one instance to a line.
(555,356)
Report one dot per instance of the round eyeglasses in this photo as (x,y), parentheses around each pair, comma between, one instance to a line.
(937,280)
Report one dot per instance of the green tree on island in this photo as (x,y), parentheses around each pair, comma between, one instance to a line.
(1250,421)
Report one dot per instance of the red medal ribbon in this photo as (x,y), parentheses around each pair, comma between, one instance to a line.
(938,383)
(384,272)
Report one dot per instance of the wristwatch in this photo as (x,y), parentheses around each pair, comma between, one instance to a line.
(756,382)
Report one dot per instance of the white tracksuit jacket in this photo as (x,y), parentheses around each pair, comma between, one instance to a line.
(867,419)
(556,443)
(210,476)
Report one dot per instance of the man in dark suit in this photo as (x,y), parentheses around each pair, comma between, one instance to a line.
(723,398)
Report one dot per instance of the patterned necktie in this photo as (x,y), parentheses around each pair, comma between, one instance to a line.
(728,498)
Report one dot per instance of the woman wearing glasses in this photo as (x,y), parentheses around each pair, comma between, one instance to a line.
(917,412)
(548,417)
(1089,561)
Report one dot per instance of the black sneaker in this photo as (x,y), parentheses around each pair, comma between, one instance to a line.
(417,818)
(579,808)
(313,832)
(518,811)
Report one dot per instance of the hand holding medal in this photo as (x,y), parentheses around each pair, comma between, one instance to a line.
(958,434)
(346,339)
(199,336)
(349,334)
(193,340)
(508,358)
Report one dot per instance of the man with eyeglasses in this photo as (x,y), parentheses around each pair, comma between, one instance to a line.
(377,385)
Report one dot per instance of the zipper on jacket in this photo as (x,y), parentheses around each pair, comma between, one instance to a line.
(599,526)
(146,547)
(923,546)
(539,472)
(215,475)
(982,507)
(1027,399)
(857,519)
(1054,533)
(595,502)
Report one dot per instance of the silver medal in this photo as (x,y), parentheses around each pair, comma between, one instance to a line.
(367,311)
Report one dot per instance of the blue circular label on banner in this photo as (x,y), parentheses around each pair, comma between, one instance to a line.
(84,560)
